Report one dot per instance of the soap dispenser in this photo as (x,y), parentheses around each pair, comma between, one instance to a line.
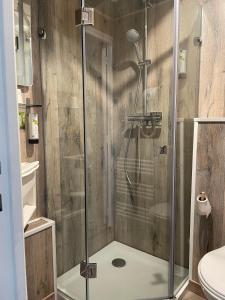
(33,128)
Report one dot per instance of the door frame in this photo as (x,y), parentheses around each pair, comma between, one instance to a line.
(176,49)
(12,254)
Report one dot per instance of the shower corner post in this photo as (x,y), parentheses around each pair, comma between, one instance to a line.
(145,58)
(84,95)
(176,26)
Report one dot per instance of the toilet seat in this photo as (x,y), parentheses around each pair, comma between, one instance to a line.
(211,271)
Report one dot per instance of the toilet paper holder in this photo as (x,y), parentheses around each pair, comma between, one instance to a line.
(204,207)
(202,196)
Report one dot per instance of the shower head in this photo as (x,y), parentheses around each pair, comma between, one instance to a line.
(133,36)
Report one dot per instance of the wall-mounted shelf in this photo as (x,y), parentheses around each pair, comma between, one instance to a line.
(24,106)
(210,120)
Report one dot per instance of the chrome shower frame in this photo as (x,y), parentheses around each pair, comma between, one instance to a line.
(176,35)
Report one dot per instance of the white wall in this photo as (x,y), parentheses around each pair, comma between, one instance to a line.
(12,262)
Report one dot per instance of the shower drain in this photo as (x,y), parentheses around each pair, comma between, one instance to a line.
(118,262)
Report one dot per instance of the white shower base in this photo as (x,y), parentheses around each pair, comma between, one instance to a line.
(143,277)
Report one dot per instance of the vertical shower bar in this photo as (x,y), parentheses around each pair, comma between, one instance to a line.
(84,78)
(174,129)
(145,59)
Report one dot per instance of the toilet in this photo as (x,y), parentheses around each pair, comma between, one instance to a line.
(211,272)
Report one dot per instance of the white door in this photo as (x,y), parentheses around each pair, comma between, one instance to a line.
(12,262)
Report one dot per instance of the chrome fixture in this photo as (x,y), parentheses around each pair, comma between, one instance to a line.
(152,117)
(163,149)
(119,262)
(84,16)
(133,37)
(42,33)
(144,118)
(198,41)
(88,270)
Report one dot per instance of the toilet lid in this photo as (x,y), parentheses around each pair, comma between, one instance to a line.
(212,271)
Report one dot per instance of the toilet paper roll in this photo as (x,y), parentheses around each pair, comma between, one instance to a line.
(204,207)
(183,62)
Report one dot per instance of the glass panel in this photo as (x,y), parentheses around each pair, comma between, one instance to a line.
(64,143)
(129,54)
(190,32)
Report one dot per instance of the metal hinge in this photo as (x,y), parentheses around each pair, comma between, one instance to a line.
(198,41)
(84,16)
(88,270)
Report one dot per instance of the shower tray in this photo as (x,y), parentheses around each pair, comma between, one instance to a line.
(144,276)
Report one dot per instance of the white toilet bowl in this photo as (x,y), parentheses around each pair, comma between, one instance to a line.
(211,272)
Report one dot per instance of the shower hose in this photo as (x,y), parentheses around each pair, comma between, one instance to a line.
(130,182)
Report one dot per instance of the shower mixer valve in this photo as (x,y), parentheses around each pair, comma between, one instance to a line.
(163,149)
(146,62)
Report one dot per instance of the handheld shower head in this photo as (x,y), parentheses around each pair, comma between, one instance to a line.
(133,37)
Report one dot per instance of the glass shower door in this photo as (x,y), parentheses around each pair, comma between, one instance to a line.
(127,74)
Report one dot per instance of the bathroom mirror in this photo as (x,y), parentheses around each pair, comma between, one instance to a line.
(23,42)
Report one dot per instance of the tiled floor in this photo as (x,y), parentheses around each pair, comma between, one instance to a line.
(191,296)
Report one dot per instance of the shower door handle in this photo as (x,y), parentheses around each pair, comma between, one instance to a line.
(1,209)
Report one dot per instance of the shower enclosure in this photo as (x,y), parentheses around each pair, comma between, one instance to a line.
(110,84)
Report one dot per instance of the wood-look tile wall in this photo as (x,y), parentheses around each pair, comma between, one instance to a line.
(187,109)
(188,85)
(209,234)
(212,74)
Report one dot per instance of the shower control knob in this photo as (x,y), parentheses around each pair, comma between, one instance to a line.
(42,33)
(163,149)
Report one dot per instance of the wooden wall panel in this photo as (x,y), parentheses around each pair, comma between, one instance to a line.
(210,177)
(38,99)
(188,85)
(212,74)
